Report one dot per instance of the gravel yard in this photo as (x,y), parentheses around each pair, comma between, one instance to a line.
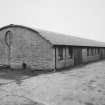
(83,85)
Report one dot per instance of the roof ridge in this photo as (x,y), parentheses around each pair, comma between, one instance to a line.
(57,38)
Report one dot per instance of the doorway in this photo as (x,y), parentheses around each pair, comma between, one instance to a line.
(77,56)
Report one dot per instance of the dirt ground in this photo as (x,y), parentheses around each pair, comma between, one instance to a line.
(84,85)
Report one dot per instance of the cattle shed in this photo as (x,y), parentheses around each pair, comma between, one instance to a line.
(24,47)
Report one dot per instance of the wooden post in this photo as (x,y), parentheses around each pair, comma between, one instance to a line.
(55,60)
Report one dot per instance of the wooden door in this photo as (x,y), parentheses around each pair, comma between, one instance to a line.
(77,56)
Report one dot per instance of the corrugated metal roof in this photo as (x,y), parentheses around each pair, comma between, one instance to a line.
(61,39)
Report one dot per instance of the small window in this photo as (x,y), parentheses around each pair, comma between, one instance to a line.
(70,52)
(87,51)
(60,53)
(95,51)
(92,51)
(98,51)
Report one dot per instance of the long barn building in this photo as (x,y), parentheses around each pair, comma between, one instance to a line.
(24,47)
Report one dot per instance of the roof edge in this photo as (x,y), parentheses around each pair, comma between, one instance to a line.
(22,26)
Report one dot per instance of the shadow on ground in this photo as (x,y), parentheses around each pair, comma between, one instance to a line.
(19,75)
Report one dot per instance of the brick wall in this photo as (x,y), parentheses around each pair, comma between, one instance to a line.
(28,47)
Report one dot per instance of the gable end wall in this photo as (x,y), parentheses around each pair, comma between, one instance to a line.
(28,47)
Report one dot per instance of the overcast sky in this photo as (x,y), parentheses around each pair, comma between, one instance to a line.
(83,18)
